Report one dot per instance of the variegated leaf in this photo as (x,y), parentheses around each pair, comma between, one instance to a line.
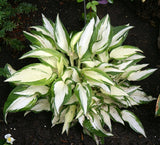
(34,74)
(104,57)
(43,31)
(95,121)
(60,118)
(38,53)
(83,44)
(61,91)
(80,113)
(9,70)
(133,121)
(101,36)
(97,20)
(48,25)
(124,65)
(72,100)
(73,73)
(39,40)
(109,68)
(101,85)
(16,103)
(51,61)
(116,91)
(140,75)
(44,54)
(135,57)
(107,99)
(41,105)
(68,118)
(31,90)
(61,36)
(33,47)
(115,115)
(60,66)
(130,89)
(120,101)
(97,75)
(91,63)
(91,131)
(75,39)
(112,70)
(133,68)
(84,94)
(106,119)
(47,56)
(140,97)
(123,52)
(119,35)
(67,74)
(81,119)
(21,103)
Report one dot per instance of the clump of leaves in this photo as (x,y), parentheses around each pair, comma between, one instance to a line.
(8,11)
(83,77)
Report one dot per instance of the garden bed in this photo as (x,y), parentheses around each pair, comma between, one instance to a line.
(35,129)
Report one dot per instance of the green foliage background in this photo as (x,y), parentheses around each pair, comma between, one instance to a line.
(8,22)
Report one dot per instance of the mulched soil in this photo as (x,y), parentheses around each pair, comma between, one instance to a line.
(35,129)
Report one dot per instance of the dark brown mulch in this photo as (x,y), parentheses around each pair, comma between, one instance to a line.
(35,129)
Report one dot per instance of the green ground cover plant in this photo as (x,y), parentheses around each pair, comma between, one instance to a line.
(8,21)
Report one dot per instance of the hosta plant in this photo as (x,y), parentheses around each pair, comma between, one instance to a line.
(81,77)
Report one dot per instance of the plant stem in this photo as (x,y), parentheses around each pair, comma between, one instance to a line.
(85,17)
(79,63)
(71,60)
(92,55)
